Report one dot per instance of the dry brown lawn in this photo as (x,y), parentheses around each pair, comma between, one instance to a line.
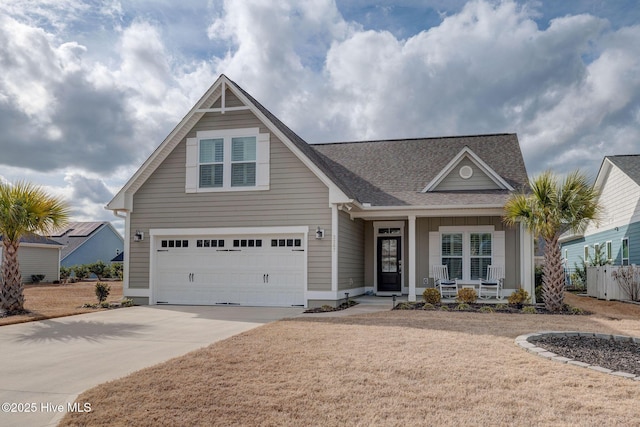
(391,368)
(46,301)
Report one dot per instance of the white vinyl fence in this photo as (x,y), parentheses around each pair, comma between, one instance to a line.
(602,285)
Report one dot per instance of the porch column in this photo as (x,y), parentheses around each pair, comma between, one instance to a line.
(412,258)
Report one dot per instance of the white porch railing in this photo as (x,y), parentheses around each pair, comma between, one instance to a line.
(602,285)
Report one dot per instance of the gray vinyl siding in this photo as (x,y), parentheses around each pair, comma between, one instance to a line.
(478,181)
(34,260)
(426,225)
(350,252)
(296,198)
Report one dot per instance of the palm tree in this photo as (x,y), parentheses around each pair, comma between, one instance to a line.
(550,209)
(24,209)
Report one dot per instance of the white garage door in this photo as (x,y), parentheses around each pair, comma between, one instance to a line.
(263,270)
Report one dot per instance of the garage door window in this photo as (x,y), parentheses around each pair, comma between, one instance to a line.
(210,243)
(174,243)
(291,243)
(247,243)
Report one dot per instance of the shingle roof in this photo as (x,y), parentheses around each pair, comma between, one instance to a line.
(394,172)
(629,164)
(37,239)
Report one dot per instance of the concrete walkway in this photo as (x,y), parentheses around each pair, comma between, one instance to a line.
(45,365)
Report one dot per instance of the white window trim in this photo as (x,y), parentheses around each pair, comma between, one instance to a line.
(192,182)
(466,246)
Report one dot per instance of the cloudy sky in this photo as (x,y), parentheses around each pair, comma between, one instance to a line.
(89,88)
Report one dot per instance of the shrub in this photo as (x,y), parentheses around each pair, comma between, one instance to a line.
(404,306)
(65,272)
(126,302)
(81,271)
(444,308)
(539,294)
(486,309)
(576,310)
(466,296)
(105,304)
(116,271)
(529,309)
(37,278)
(519,297)
(431,296)
(501,306)
(428,306)
(102,291)
(99,268)
(463,306)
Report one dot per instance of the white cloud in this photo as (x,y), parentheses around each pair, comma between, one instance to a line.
(94,108)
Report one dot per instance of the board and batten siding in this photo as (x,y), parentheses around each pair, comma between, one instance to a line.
(350,252)
(478,181)
(424,226)
(296,197)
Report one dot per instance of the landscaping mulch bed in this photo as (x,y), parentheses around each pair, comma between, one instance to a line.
(607,353)
(490,308)
(328,308)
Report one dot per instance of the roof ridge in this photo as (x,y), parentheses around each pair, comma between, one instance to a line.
(413,139)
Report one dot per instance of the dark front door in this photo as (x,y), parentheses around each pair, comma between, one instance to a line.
(389,264)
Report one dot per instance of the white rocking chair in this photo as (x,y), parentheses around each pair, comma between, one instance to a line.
(492,285)
(448,287)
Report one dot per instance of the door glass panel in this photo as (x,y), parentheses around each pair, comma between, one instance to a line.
(389,253)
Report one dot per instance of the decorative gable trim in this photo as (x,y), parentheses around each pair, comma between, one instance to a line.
(466,152)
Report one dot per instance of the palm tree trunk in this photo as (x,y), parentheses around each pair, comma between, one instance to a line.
(11,291)
(553,275)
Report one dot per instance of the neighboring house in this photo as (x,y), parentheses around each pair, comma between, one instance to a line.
(38,255)
(88,242)
(618,231)
(235,208)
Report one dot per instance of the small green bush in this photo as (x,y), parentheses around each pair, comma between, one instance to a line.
(100,269)
(466,296)
(405,306)
(80,271)
(327,307)
(519,297)
(428,306)
(105,304)
(501,306)
(126,302)
(431,296)
(37,278)
(486,309)
(539,294)
(65,272)
(444,308)
(116,270)
(463,306)
(576,310)
(529,309)
(102,291)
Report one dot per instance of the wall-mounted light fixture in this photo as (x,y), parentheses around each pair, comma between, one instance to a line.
(138,236)
(319,233)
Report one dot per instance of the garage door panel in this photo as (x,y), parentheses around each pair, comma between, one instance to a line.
(260,275)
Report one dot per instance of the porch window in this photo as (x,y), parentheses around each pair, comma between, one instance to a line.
(452,254)
(625,251)
(480,254)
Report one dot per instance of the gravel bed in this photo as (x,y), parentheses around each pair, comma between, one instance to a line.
(607,353)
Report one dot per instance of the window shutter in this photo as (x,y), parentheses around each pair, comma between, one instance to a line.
(262,160)
(498,248)
(434,251)
(191,178)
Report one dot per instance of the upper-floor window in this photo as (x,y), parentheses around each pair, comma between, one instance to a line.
(227,160)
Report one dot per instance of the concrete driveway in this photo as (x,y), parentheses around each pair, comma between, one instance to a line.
(45,365)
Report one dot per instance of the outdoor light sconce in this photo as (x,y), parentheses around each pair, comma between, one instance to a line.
(139,236)
(319,233)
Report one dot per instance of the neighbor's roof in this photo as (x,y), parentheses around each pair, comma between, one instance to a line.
(629,164)
(74,234)
(37,239)
(394,172)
